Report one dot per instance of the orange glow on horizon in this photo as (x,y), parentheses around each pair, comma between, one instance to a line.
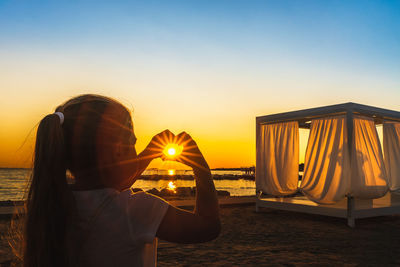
(220,148)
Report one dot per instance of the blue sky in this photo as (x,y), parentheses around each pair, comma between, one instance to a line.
(363,30)
(314,33)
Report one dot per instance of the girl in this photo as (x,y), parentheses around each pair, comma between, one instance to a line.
(97,220)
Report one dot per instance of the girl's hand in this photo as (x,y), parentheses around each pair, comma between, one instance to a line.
(155,148)
(152,151)
(191,155)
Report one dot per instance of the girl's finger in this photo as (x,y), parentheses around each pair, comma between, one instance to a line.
(185,140)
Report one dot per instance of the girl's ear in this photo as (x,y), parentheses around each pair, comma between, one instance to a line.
(118,150)
(121,151)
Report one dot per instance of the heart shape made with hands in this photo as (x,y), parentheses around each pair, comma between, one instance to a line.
(171,151)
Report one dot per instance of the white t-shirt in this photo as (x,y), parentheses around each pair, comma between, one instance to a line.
(123,233)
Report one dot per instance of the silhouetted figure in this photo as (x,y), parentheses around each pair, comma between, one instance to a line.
(97,220)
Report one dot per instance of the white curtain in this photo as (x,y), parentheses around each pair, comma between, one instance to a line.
(326,164)
(391,149)
(368,172)
(277,163)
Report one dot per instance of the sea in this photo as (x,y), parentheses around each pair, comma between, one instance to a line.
(14,183)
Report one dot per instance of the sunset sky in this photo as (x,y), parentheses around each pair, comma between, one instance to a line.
(205,67)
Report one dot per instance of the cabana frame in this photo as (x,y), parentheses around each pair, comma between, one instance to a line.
(349,207)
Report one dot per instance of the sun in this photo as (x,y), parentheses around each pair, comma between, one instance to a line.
(171,172)
(172,150)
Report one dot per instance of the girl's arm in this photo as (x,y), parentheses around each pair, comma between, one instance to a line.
(203,224)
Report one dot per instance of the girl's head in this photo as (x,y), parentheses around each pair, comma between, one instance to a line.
(96,144)
(99,141)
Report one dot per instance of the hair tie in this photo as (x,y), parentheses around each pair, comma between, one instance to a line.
(61,116)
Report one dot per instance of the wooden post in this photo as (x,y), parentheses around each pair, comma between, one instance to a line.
(255,169)
(258,196)
(350,132)
(350,212)
(350,141)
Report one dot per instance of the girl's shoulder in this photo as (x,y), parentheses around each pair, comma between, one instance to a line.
(144,212)
(127,200)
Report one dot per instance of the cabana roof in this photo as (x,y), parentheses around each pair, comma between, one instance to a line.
(305,115)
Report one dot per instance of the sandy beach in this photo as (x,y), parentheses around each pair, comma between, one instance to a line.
(273,238)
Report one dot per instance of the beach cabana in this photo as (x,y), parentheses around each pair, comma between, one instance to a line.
(347,174)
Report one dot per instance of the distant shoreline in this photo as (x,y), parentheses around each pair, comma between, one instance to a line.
(157,177)
(182,176)
(214,169)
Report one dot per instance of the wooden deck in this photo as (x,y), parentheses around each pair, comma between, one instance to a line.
(349,208)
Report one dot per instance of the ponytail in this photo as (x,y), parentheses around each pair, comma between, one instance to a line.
(50,214)
(49,201)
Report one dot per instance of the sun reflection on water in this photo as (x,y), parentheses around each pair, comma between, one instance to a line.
(172,186)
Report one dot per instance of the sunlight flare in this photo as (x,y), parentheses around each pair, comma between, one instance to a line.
(172,150)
